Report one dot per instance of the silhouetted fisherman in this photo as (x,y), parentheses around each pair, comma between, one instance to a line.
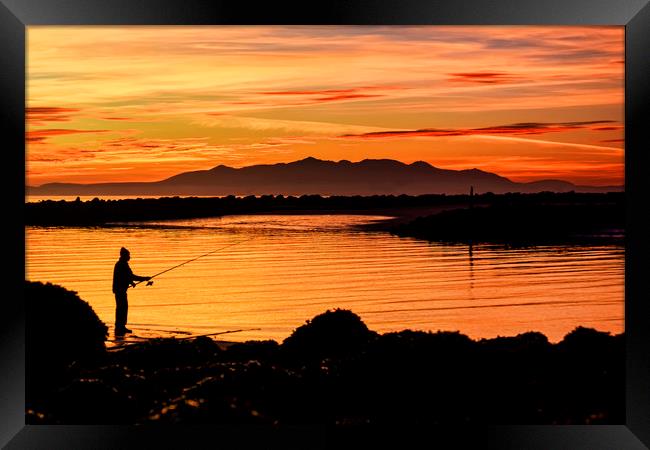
(123,277)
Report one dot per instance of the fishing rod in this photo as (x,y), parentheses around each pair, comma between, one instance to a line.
(215,334)
(149,282)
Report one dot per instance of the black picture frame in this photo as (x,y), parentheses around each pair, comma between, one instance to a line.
(16,15)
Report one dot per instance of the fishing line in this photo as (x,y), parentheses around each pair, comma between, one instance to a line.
(149,282)
(162,331)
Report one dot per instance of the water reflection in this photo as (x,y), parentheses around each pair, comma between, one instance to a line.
(471,267)
(298,266)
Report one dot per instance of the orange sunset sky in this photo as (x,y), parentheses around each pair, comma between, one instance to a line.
(144,103)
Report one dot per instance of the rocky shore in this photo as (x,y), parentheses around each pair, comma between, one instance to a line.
(332,370)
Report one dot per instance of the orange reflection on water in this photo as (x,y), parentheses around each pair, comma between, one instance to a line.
(287,269)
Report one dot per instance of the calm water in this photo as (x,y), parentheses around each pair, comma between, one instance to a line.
(286,269)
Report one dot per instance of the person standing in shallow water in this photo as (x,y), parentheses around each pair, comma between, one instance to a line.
(123,277)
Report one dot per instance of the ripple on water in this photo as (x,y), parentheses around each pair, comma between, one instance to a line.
(286,269)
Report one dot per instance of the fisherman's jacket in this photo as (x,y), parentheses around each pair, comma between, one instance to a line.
(122,276)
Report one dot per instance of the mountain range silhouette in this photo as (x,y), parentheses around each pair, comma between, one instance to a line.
(315,176)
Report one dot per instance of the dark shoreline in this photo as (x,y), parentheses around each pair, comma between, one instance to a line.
(342,374)
(414,216)
(98,212)
(522,224)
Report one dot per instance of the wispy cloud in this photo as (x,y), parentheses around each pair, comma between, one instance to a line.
(39,115)
(516,128)
(484,77)
(295,126)
(609,150)
(42,135)
(312,92)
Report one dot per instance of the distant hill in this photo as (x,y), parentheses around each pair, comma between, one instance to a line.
(315,176)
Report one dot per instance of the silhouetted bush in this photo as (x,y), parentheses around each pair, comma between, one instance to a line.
(61,330)
(251,350)
(169,353)
(331,334)
(583,339)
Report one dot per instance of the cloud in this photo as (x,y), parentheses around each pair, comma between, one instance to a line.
(508,44)
(575,55)
(309,96)
(537,127)
(133,143)
(598,148)
(289,141)
(334,98)
(484,77)
(609,128)
(42,135)
(242,102)
(516,128)
(126,150)
(38,115)
(299,126)
(311,92)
